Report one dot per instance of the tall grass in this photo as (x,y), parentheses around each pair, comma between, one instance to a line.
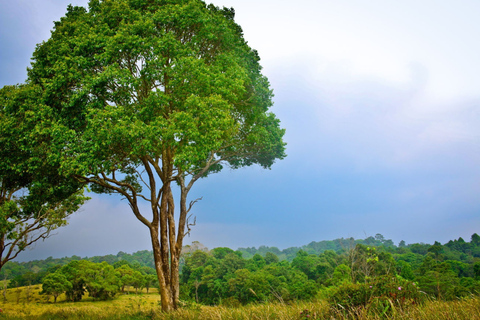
(463,309)
(26,303)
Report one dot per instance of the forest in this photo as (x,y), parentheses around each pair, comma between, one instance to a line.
(331,270)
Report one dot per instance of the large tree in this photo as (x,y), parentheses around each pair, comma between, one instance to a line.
(153,94)
(34,199)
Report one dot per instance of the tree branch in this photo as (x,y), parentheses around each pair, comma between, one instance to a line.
(106,183)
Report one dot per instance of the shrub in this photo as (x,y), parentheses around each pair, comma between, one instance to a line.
(380,295)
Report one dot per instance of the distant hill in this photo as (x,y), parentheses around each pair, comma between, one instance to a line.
(337,245)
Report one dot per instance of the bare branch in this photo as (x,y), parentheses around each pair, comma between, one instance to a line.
(192,203)
(188,224)
(143,181)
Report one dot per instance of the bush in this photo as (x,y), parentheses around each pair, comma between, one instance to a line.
(379,295)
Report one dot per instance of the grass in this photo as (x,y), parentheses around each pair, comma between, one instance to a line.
(27,303)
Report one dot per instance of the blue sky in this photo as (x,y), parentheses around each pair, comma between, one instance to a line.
(381,104)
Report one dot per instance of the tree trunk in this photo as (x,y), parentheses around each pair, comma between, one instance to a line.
(5,288)
(197,284)
(175,285)
(166,298)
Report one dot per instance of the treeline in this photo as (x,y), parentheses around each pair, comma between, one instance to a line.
(224,276)
(356,269)
(32,272)
(337,245)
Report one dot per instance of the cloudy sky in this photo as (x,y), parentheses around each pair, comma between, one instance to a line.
(381,103)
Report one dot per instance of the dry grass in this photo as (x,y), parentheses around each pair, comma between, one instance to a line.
(26,303)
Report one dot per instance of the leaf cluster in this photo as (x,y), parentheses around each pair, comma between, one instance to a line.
(34,198)
(130,80)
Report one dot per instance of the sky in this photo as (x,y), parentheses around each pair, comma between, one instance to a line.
(381,105)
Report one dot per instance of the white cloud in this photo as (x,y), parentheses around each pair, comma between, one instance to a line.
(372,121)
(378,38)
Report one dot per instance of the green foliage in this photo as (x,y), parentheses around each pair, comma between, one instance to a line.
(307,264)
(342,274)
(99,279)
(55,284)
(271,258)
(439,280)
(221,252)
(378,295)
(222,276)
(125,273)
(34,198)
(404,269)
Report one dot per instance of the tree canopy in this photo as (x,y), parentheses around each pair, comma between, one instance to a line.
(143,94)
(34,198)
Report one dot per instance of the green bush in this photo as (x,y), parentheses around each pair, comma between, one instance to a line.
(379,295)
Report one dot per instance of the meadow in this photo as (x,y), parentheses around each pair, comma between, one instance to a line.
(28,303)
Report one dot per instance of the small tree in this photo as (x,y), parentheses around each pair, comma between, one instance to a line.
(138,281)
(150,280)
(125,274)
(73,272)
(149,95)
(55,284)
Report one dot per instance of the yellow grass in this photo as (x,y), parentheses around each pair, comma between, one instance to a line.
(26,303)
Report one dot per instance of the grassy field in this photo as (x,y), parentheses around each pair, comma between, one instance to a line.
(27,303)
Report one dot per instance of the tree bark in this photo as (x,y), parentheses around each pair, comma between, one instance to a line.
(166,298)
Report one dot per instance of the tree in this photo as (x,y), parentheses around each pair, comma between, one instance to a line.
(34,199)
(154,94)
(73,272)
(475,239)
(138,280)
(100,280)
(476,269)
(125,273)
(438,280)
(247,286)
(404,269)
(55,284)
(149,281)
(342,274)
(271,257)
(436,249)
(256,263)
(307,263)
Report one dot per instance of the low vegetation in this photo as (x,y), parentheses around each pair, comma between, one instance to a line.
(28,303)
